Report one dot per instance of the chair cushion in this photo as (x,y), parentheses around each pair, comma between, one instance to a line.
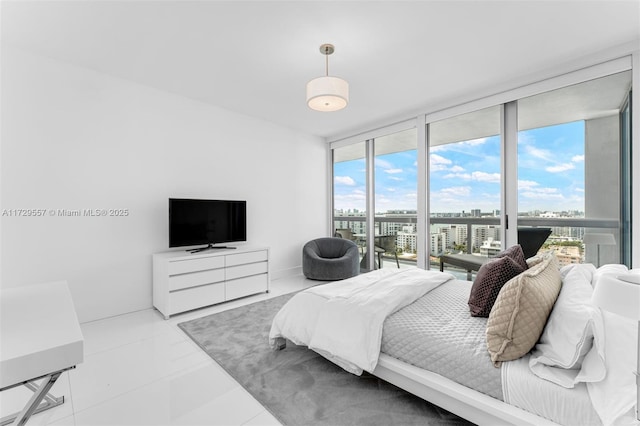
(330,259)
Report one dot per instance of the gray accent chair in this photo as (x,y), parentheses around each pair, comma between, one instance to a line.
(330,259)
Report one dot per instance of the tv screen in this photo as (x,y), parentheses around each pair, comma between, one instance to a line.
(195,222)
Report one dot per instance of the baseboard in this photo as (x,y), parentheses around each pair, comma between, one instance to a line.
(284,273)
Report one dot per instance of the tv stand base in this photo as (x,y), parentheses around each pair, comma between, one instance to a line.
(209,247)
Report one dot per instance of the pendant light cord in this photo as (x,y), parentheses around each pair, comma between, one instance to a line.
(326,57)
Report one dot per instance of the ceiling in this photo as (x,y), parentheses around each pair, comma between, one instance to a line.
(255,58)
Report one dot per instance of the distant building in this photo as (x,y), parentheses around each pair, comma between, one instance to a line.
(484,239)
(567,255)
(482,234)
(407,239)
(490,248)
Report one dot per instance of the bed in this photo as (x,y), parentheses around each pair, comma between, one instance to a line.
(412,328)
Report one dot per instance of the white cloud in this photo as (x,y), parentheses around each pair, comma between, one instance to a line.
(548,191)
(393,171)
(542,193)
(456,191)
(344,180)
(383,163)
(353,200)
(474,142)
(560,168)
(456,169)
(525,138)
(577,159)
(356,194)
(543,154)
(439,159)
(486,177)
(476,176)
(527,184)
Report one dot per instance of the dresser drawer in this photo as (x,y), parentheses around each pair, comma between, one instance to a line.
(196,297)
(249,257)
(177,282)
(245,286)
(246,270)
(191,265)
(184,281)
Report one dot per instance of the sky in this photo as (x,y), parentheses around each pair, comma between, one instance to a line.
(466,175)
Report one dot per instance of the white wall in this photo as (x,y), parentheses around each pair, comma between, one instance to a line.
(76,139)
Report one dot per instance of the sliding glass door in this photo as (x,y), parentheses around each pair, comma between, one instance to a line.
(569,158)
(350,193)
(374,197)
(396,188)
(465,185)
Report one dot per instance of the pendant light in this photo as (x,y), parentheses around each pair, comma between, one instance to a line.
(327,93)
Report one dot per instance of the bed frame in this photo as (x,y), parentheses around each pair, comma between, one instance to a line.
(454,397)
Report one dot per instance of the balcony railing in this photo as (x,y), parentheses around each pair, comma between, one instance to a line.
(580,224)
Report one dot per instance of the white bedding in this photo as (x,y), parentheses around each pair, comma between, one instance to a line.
(523,389)
(343,320)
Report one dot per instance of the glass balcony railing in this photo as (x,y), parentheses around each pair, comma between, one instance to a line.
(395,241)
(574,240)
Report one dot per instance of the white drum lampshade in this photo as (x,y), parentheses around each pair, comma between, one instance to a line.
(327,93)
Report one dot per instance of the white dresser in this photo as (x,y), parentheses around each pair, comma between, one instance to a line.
(183,281)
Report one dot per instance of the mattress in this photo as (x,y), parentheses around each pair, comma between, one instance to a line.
(438,334)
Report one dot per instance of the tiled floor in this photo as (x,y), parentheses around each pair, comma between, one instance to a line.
(142,370)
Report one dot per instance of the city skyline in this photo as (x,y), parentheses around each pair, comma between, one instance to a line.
(466,175)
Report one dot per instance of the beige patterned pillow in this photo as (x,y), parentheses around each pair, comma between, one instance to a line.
(520,312)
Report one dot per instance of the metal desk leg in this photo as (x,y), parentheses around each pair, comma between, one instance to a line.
(33,406)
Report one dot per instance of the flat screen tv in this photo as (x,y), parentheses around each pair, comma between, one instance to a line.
(195,222)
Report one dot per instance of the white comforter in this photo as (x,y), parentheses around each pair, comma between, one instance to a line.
(343,320)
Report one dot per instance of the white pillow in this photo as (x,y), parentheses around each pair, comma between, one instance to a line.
(614,398)
(569,333)
(608,270)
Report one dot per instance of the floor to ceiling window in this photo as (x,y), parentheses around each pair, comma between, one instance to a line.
(569,156)
(464,184)
(559,159)
(350,193)
(396,187)
(392,166)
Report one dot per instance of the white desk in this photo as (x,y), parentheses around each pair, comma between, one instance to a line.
(40,338)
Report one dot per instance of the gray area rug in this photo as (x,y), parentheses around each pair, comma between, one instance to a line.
(298,386)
